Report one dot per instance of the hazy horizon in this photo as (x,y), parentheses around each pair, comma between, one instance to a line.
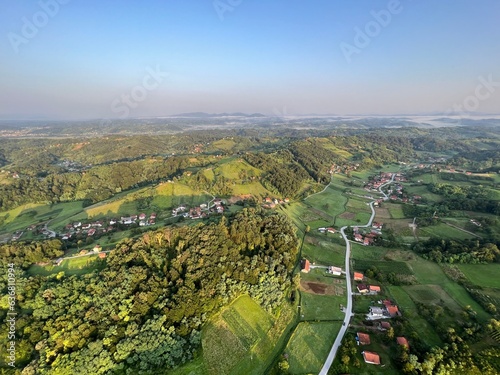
(64,60)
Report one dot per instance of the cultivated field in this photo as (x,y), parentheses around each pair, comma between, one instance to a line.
(309,346)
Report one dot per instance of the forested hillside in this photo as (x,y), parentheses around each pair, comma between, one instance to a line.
(144,310)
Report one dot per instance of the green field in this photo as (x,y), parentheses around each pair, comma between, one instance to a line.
(77,266)
(442,230)
(428,272)
(484,275)
(242,339)
(309,346)
(400,268)
(331,201)
(409,310)
(360,252)
(323,252)
(322,307)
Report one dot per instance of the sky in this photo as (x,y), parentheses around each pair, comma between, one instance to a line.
(75,59)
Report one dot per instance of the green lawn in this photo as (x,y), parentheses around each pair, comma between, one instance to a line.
(484,275)
(309,346)
(322,307)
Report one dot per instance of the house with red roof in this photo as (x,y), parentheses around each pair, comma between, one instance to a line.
(363,338)
(383,326)
(374,289)
(305,266)
(362,288)
(358,276)
(402,341)
(392,310)
(371,358)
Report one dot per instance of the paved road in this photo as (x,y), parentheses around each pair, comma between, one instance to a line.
(348,309)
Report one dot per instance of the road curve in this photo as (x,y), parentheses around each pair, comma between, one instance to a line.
(348,310)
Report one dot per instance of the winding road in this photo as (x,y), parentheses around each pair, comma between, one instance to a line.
(348,309)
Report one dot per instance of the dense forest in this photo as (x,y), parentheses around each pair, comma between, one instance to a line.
(144,310)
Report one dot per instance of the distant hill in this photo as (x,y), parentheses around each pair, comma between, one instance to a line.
(209,115)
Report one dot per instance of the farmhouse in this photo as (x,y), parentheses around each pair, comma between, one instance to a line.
(358,276)
(371,358)
(363,338)
(358,237)
(402,341)
(305,266)
(331,230)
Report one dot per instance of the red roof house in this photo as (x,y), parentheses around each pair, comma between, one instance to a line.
(392,310)
(371,357)
(305,266)
(358,276)
(363,338)
(402,341)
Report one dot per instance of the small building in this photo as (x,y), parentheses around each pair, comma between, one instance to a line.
(363,289)
(363,338)
(337,271)
(402,341)
(142,216)
(331,230)
(358,237)
(384,326)
(358,276)
(97,248)
(305,266)
(374,289)
(371,358)
(102,255)
(376,312)
(393,311)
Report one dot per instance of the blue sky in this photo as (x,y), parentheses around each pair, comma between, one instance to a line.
(253,56)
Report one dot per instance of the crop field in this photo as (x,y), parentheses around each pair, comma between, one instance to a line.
(395,210)
(228,340)
(309,346)
(483,275)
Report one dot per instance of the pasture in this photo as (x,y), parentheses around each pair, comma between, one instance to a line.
(483,275)
(309,346)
